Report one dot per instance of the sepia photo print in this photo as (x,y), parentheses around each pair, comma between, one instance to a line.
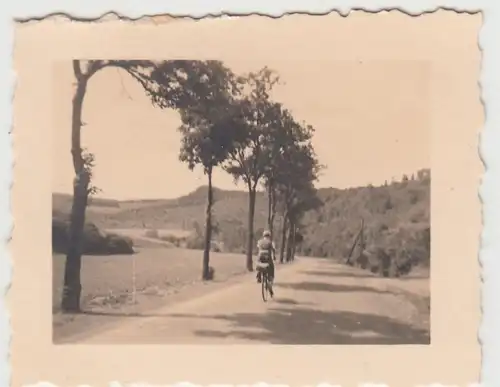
(242,200)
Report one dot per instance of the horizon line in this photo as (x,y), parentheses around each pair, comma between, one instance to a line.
(243,190)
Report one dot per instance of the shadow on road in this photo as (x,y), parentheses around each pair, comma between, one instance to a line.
(289,301)
(327,287)
(302,326)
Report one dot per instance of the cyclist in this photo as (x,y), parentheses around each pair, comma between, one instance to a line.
(266,254)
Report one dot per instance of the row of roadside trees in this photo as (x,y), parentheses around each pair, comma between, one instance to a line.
(228,121)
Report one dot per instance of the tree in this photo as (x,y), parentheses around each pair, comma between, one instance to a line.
(274,143)
(210,133)
(305,198)
(248,163)
(175,84)
(296,172)
(72,283)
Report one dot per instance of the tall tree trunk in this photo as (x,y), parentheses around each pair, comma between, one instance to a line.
(251,214)
(362,237)
(208,228)
(72,282)
(283,238)
(289,243)
(270,207)
(273,211)
(294,241)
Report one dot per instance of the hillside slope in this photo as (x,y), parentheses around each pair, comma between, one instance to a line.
(396,215)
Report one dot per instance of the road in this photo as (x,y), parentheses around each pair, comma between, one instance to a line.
(316,302)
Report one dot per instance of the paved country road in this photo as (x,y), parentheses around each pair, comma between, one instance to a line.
(316,302)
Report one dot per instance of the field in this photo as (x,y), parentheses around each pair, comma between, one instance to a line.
(108,280)
(161,275)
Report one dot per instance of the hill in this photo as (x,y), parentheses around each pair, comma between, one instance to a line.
(396,216)
(396,222)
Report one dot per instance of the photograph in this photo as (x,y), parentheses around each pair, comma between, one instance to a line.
(232,191)
(242,200)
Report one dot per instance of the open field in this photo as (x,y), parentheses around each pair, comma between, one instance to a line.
(109,279)
(161,238)
(160,274)
(139,232)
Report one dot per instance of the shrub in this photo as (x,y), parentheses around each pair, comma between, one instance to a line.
(217,246)
(95,242)
(152,233)
(195,242)
(175,240)
(118,244)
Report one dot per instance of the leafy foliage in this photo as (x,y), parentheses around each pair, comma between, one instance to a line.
(193,85)
(257,115)
(88,165)
(95,241)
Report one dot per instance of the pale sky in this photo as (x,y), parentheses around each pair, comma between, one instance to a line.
(371,114)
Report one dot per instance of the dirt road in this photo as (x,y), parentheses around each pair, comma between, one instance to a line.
(316,302)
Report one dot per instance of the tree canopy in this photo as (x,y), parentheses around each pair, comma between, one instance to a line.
(227,120)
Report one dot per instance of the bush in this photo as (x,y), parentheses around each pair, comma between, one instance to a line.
(195,242)
(217,246)
(394,252)
(95,242)
(152,233)
(118,244)
(175,240)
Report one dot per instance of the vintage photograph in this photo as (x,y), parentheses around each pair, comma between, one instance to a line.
(250,200)
(300,191)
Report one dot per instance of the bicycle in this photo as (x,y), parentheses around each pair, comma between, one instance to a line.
(267,287)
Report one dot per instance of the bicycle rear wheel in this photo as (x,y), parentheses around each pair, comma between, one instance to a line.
(265,286)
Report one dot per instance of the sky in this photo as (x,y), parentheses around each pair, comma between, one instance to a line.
(371,111)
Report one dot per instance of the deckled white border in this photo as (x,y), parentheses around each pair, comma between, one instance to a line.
(490,84)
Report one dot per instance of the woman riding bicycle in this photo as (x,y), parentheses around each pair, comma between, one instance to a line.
(266,254)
